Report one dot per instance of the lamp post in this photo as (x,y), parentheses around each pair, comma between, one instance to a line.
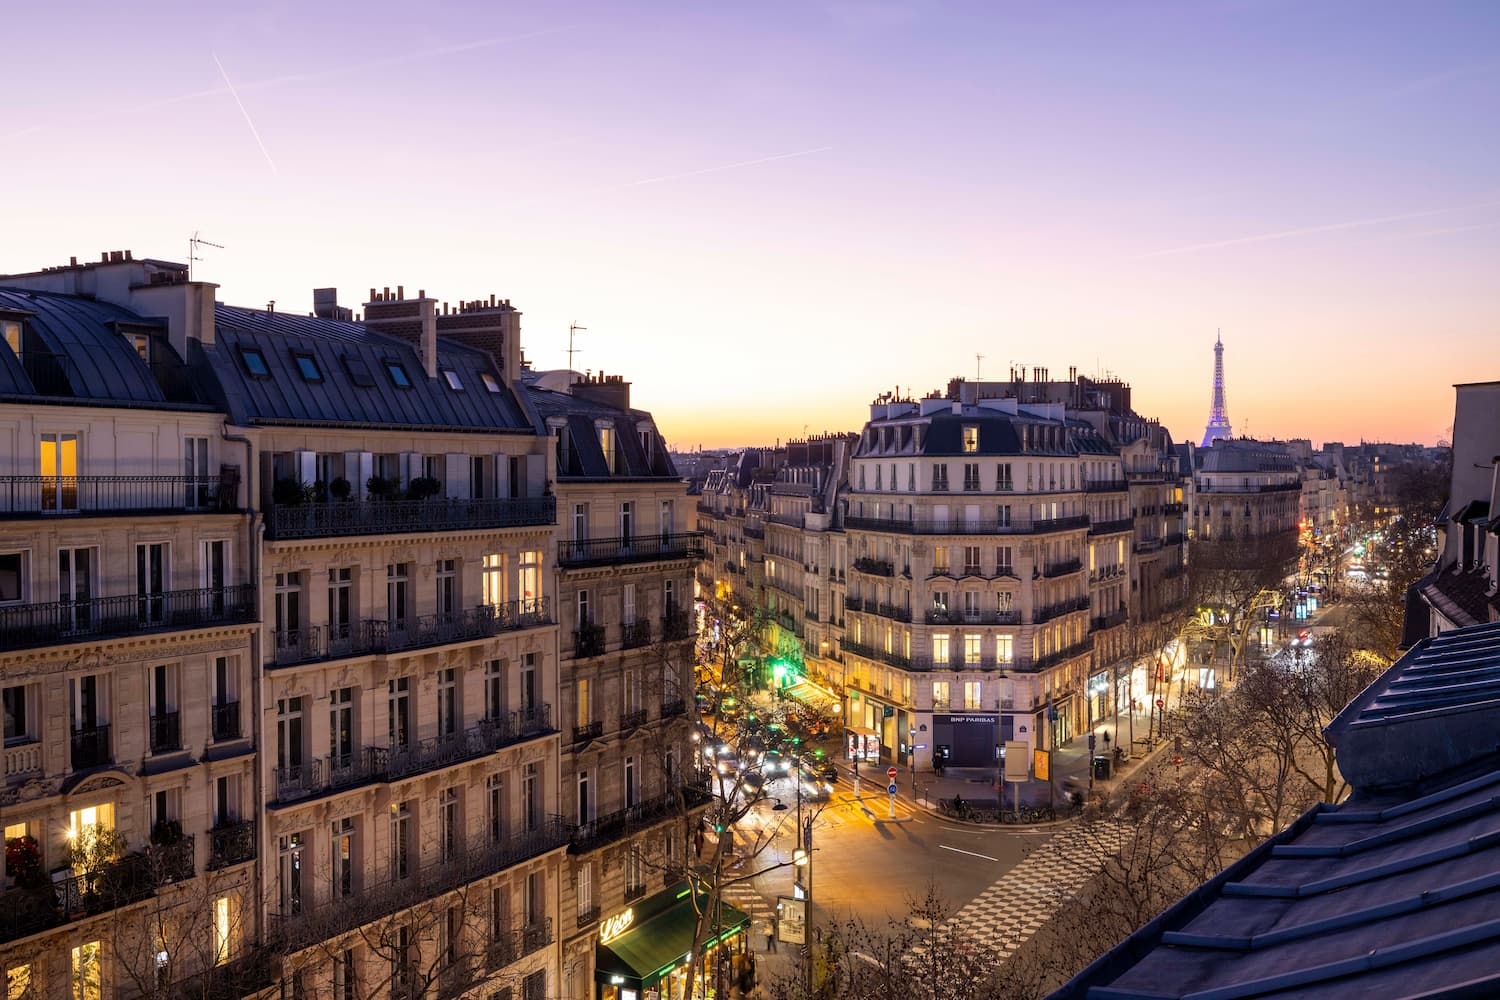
(1093,689)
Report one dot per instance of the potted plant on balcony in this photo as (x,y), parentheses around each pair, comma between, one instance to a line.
(423,488)
(23,862)
(288,492)
(340,488)
(379,487)
(92,852)
(166,832)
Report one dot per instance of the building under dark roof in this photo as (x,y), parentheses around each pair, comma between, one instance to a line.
(1393,893)
(639,450)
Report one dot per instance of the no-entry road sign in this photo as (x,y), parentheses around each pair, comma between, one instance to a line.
(890,772)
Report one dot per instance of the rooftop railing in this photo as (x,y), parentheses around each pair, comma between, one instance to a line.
(381,517)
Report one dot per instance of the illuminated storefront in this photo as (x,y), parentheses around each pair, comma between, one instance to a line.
(643,950)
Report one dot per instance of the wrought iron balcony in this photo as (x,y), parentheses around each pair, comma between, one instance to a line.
(361,638)
(388,517)
(1145,545)
(1051,659)
(230,844)
(165,732)
(59,622)
(226,721)
(673,707)
(588,732)
(1051,611)
(1106,486)
(872,653)
(90,747)
(631,721)
(588,641)
(339,771)
(641,548)
(49,496)
(297,930)
(1116,617)
(946,616)
(959,662)
(676,626)
(512,945)
(635,634)
(1063,568)
(751,531)
(1173,508)
(965,526)
(621,823)
(1111,527)
(874,567)
(586,918)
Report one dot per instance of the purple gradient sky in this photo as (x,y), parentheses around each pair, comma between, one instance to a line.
(768,213)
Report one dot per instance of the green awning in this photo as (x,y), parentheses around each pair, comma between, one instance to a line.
(652,948)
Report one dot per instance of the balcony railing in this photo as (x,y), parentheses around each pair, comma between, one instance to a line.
(231,844)
(872,653)
(361,638)
(1106,486)
(1111,527)
(339,771)
(1144,545)
(1101,622)
(22,760)
(588,641)
(635,634)
(513,945)
(641,548)
(1173,539)
(166,732)
(22,496)
(1051,611)
(677,626)
(964,526)
(751,531)
(874,567)
(621,823)
(960,662)
(1062,568)
(631,721)
(90,747)
(945,616)
(587,917)
(1051,659)
(1173,508)
(673,707)
(588,732)
(226,721)
(386,517)
(58,622)
(388,896)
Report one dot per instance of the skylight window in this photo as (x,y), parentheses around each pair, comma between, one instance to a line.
(397,371)
(453,380)
(489,381)
(255,362)
(308,366)
(359,372)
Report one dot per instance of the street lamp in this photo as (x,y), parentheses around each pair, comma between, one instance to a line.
(1093,689)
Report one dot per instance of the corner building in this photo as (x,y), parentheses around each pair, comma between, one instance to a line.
(969,598)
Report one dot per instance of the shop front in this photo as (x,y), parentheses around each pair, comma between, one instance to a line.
(861,744)
(643,950)
(967,740)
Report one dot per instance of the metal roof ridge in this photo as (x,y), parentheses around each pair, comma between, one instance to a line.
(1411,805)
(1399,833)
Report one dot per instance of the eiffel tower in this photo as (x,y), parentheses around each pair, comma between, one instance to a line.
(1218,414)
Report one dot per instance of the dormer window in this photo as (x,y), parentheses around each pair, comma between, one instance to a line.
(491,384)
(141,344)
(397,372)
(11,330)
(454,382)
(307,366)
(359,372)
(971,439)
(254,362)
(607,445)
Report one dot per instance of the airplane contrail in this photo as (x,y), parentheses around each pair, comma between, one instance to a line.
(274,81)
(717,169)
(1308,230)
(253,130)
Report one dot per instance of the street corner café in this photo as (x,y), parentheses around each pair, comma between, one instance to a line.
(643,950)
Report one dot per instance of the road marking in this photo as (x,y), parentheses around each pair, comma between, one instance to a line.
(971,854)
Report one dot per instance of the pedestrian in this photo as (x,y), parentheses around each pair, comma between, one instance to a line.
(1106,739)
(771,935)
(698,839)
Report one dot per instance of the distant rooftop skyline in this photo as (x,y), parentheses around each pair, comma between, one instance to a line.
(766,215)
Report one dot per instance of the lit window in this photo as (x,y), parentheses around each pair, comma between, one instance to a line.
(398,374)
(221,930)
(308,366)
(971,438)
(490,382)
(12,333)
(17,982)
(255,362)
(453,380)
(141,344)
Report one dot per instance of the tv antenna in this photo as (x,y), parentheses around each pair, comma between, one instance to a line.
(572,329)
(977,358)
(194,242)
